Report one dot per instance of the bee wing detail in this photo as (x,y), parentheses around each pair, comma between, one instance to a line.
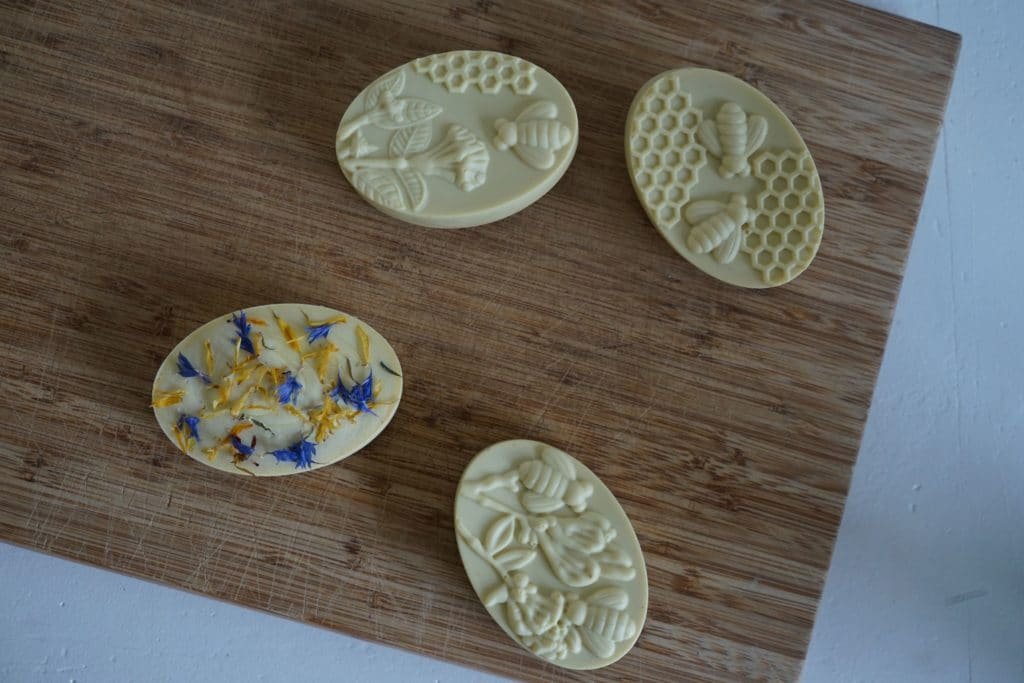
(708,136)
(757,130)
(702,209)
(730,246)
(614,598)
(572,639)
(538,504)
(560,462)
(544,109)
(596,643)
(541,159)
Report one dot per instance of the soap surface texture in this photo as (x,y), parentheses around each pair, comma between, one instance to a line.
(279,389)
(458,139)
(551,554)
(725,177)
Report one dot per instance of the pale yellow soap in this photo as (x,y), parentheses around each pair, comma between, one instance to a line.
(280,389)
(458,139)
(725,177)
(551,554)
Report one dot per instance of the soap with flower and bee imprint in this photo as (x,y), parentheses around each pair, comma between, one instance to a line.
(725,177)
(551,554)
(458,139)
(277,389)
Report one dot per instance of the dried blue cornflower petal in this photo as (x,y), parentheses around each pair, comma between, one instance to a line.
(244,329)
(314,332)
(300,453)
(191,422)
(358,397)
(186,369)
(240,446)
(289,389)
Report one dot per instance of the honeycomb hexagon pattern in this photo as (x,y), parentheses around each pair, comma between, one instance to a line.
(786,233)
(665,153)
(488,71)
(457,139)
(725,177)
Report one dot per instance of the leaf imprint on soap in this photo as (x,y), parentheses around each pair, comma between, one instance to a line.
(398,180)
(460,158)
(577,544)
(385,108)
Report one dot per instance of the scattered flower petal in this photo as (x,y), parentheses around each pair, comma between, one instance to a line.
(239,405)
(384,365)
(261,425)
(209,356)
(287,332)
(295,412)
(300,453)
(241,448)
(169,398)
(364,345)
(179,438)
(288,390)
(223,394)
(358,397)
(186,369)
(239,428)
(190,425)
(314,332)
(244,329)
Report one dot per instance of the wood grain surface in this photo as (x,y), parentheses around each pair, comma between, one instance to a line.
(165,163)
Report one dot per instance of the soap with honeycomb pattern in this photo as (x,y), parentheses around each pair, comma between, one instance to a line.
(725,177)
(458,139)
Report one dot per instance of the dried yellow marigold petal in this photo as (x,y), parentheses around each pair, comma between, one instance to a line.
(208,349)
(364,345)
(168,398)
(288,333)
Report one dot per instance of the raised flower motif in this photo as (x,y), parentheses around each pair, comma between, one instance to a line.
(461,159)
(579,549)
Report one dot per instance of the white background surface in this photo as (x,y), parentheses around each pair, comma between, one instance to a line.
(927,580)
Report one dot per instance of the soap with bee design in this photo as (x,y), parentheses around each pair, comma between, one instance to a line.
(551,554)
(458,139)
(279,389)
(725,177)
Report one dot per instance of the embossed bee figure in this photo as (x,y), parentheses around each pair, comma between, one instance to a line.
(733,137)
(551,484)
(717,227)
(535,135)
(601,619)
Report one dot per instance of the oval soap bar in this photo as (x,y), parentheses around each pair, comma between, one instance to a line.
(279,389)
(458,139)
(551,554)
(725,177)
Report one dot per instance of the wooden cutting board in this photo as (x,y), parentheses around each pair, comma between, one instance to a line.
(161,167)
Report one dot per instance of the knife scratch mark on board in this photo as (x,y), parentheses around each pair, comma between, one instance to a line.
(552,395)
